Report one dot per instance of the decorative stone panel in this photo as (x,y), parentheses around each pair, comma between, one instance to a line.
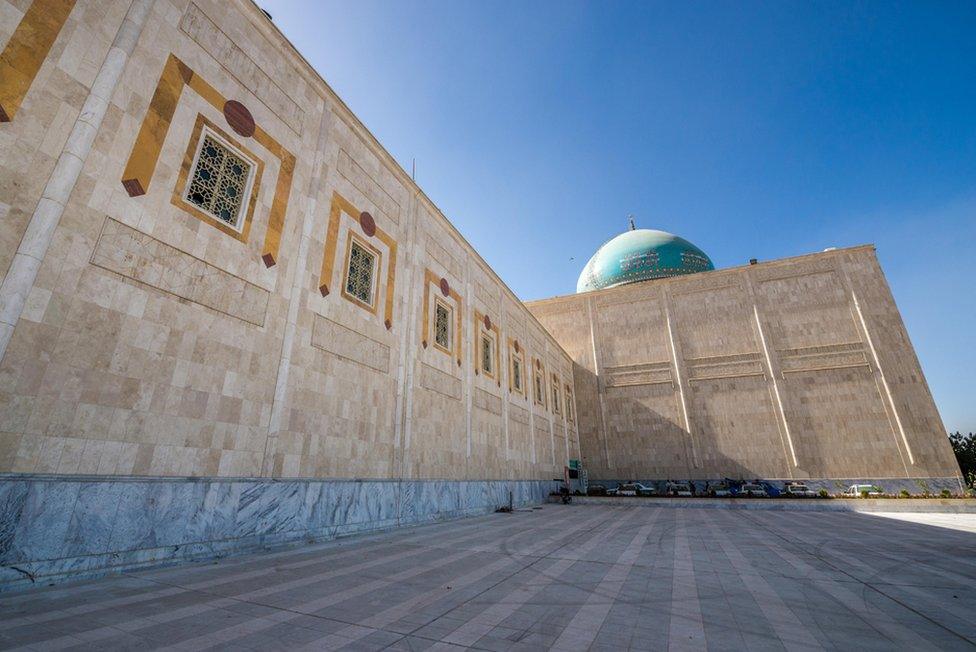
(346,343)
(139,257)
(437,381)
(222,48)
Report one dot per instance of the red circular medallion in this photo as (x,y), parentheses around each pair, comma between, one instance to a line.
(369,225)
(487,322)
(239,118)
(445,287)
(516,346)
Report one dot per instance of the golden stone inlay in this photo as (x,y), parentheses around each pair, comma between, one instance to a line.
(142,161)
(342,205)
(27,49)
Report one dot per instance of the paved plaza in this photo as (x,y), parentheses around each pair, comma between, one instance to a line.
(577,577)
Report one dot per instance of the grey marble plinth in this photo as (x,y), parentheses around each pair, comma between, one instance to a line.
(55,528)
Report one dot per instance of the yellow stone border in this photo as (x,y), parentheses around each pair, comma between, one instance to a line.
(539,368)
(179,191)
(479,323)
(27,49)
(431,279)
(342,205)
(570,404)
(515,350)
(555,394)
(142,161)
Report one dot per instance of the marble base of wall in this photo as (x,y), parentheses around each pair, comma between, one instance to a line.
(57,528)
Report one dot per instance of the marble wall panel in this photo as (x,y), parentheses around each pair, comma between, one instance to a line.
(57,528)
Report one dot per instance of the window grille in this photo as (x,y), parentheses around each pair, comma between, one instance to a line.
(517,374)
(486,357)
(359,276)
(442,325)
(219,181)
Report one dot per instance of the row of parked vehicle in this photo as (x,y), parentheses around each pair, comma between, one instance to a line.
(756,489)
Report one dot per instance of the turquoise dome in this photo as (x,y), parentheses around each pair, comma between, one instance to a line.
(639,255)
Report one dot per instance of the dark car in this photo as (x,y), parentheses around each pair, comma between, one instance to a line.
(596,490)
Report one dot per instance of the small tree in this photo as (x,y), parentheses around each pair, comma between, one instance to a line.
(965,449)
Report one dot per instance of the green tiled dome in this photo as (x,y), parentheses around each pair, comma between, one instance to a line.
(639,255)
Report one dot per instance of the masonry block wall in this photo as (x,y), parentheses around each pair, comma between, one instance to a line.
(794,369)
(158,340)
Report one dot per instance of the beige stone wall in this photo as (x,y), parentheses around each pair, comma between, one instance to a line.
(154,343)
(798,368)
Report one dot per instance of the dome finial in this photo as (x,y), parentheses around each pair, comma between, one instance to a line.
(633,227)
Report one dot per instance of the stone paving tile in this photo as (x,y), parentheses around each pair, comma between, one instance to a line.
(563,577)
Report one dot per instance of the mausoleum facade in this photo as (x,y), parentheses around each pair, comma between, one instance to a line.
(229,319)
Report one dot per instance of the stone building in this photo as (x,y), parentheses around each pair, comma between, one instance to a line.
(229,319)
(796,369)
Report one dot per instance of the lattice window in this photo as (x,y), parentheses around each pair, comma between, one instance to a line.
(517,374)
(555,394)
(220,180)
(486,354)
(359,276)
(442,325)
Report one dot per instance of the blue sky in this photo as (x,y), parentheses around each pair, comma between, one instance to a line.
(755,130)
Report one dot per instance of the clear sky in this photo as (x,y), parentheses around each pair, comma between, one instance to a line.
(753,129)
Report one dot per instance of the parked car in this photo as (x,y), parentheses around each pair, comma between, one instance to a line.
(680,489)
(797,490)
(596,490)
(644,490)
(634,489)
(720,490)
(858,490)
(752,490)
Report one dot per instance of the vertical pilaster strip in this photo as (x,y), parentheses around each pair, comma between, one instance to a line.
(884,391)
(677,361)
(468,387)
(296,289)
(410,355)
(884,381)
(27,49)
(773,368)
(773,373)
(408,348)
(599,382)
(505,396)
(552,423)
(40,229)
(531,405)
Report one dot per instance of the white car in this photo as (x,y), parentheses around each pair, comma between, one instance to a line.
(634,489)
(796,490)
(858,490)
(679,489)
(751,490)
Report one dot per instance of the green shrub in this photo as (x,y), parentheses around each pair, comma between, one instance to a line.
(945,493)
(864,493)
(823,493)
(904,494)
